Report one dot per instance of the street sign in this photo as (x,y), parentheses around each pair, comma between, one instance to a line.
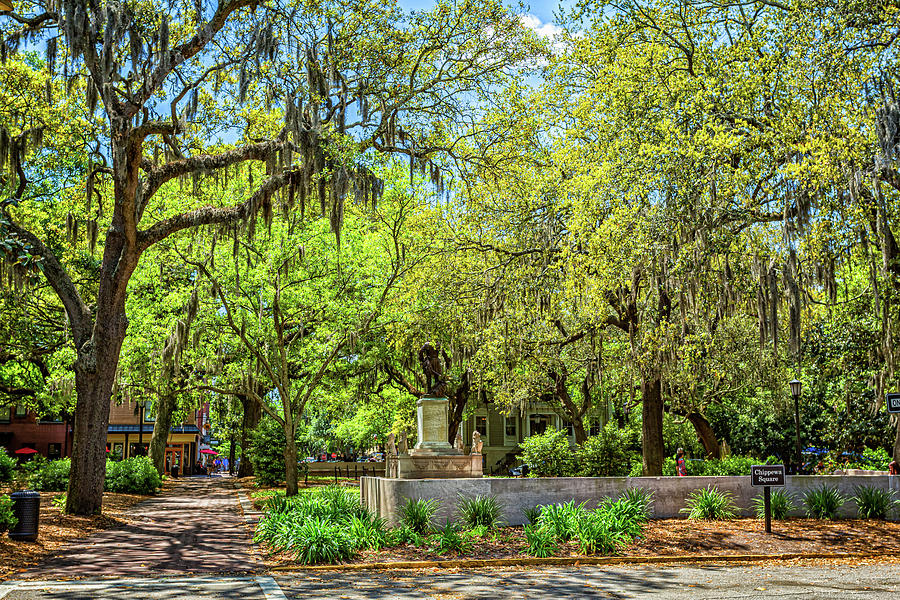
(767,475)
(893,402)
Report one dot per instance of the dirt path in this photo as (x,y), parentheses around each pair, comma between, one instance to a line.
(195,526)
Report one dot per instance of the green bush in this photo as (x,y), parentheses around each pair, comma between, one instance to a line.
(52,475)
(132,476)
(561,519)
(873,502)
(368,532)
(417,514)
(607,454)
(266,452)
(405,535)
(876,459)
(601,532)
(548,454)
(451,538)
(7,517)
(317,540)
(7,465)
(480,511)
(541,542)
(725,467)
(710,504)
(823,503)
(638,502)
(780,502)
(532,514)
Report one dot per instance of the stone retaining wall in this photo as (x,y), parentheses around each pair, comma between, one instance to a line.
(385,496)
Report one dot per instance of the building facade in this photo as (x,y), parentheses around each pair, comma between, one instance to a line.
(22,428)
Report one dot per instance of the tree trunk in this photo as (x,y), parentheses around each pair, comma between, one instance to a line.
(161,429)
(652,417)
(897,442)
(581,435)
(460,398)
(706,434)
(252,415)
(290,462)
(95,373)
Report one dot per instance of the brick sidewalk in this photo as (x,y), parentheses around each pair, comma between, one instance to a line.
(194,526)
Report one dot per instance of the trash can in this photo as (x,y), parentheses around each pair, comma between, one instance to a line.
(27,509)
(175,471)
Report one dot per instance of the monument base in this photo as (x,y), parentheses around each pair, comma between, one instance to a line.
(439,466)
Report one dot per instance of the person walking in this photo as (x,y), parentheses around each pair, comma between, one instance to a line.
(894,468)
(680,464)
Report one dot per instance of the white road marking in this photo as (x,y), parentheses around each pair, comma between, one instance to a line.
(270,588)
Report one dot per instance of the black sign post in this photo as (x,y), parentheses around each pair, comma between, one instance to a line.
(893,402)
(766,476)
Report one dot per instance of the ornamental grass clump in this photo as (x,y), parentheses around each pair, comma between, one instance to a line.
(561,519)
(781,504)
(540,540)
(823,502)
(481,510)
(710,504)
(873,502)
(532,514)
(602,532)
(452,538)
(327,525)
(417,514)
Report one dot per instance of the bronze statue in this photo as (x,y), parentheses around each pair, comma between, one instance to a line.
(433,368)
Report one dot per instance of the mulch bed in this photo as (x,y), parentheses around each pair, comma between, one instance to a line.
(680,537)
(56,529)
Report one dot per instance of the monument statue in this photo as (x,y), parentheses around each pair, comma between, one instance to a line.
(390,446)
(459,442)
(434,361)
(404,443)
(477,444)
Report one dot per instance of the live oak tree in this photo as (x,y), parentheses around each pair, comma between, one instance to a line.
(162,82)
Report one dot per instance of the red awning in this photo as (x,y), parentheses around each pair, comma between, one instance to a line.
(25,451)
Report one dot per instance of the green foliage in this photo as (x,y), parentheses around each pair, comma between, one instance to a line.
(710,504)
(607,454)
(532,514)
(548,454)
(451,538)
(324,525)
(416,514)
(51,475)
(59,502)
(873,502)
(638,502)
(135,475)
(823,502)
(7,517)
(541,541)
(266,451)
(405,535)
(561,519)
(725,467)
(481,510)
(318,540)
(601,532)
(7,465)
(780,502)
(368,532)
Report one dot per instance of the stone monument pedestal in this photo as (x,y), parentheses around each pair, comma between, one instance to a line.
(433,457)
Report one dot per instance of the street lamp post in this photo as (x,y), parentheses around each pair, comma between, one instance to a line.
(796,390)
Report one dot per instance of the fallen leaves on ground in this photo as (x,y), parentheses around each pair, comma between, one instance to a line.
(56,529)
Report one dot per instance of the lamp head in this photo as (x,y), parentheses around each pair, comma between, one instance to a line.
(796,387)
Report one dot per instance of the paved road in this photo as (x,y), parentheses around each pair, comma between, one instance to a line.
(876,582)
(195,526)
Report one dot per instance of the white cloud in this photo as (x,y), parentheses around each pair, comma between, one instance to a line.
(546,30)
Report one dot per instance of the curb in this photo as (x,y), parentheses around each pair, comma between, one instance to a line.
(578,561)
